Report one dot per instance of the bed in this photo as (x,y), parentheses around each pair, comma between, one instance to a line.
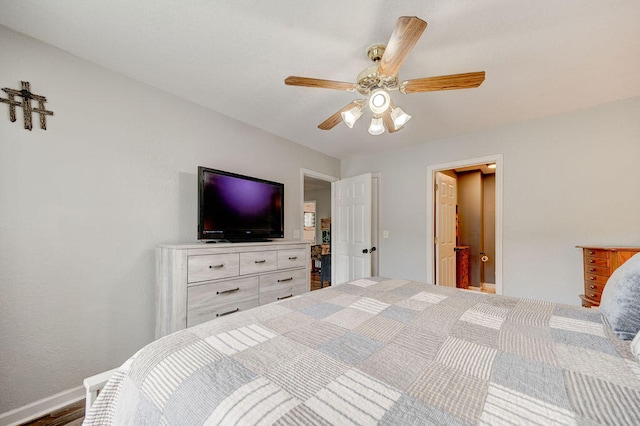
(383,351)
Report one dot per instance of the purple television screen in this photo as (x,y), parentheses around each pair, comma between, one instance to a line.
(238,207)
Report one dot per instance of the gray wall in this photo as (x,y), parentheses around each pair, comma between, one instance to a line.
(84,203)
(567,181)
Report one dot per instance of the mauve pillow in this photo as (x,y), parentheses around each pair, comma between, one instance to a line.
(620,303)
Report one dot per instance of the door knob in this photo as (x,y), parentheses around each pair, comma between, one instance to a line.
(365,251)
(373,249)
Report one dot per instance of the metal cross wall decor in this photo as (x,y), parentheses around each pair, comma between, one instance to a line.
(27,109)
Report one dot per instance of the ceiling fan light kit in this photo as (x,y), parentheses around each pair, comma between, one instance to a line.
(351,116)
(379,101)
(399,117)
(377,126)
(375,82)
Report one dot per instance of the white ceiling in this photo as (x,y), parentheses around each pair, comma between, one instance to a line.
(540,57)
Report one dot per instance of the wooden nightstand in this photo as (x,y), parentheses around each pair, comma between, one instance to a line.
(599,262)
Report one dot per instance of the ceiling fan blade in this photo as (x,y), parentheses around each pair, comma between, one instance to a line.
(319,83)
(405,35)
(388,122)
(444,82)
(336,118)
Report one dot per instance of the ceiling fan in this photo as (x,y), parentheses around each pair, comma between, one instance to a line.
(375,82)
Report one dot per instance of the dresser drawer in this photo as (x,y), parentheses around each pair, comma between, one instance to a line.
(594,252)
(587,303)
(597,270)
(212,266)
(280,280)
(221,292)
(275,296)
(282,294)
(299,289)
(291,258)
(258,261)
(198,315)
(282,285)
(597,279)
(593,287)
(597,261)
(594,296)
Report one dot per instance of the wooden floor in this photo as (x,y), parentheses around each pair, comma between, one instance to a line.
(484,288)
(70,415)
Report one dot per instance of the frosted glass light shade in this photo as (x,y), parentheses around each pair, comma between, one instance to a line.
(399,117)
(351,116)
(379,101)
(377,126)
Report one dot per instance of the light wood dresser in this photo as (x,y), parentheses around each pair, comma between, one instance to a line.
(599,262)
(199,282)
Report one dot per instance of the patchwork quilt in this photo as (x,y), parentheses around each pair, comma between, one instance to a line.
(383,351)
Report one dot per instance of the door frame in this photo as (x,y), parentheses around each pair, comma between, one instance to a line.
(320,176)
(496,158)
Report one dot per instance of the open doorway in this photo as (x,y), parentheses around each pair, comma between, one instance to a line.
(464,232)
(316,217)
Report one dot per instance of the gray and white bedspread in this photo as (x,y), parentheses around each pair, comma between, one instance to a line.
(383,351)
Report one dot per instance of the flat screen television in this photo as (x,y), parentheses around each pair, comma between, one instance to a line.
(235,208)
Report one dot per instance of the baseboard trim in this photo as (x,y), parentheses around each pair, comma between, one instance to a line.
(42,407)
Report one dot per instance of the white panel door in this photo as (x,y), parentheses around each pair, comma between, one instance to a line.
(446,198)
(351,234)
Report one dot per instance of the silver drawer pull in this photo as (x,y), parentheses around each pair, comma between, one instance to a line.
(260,261)
(285,297)
(285,279)
(592,278)
(216,266)
(592,287)
(227,313)
(293,257)
(592,261)
(228,291)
